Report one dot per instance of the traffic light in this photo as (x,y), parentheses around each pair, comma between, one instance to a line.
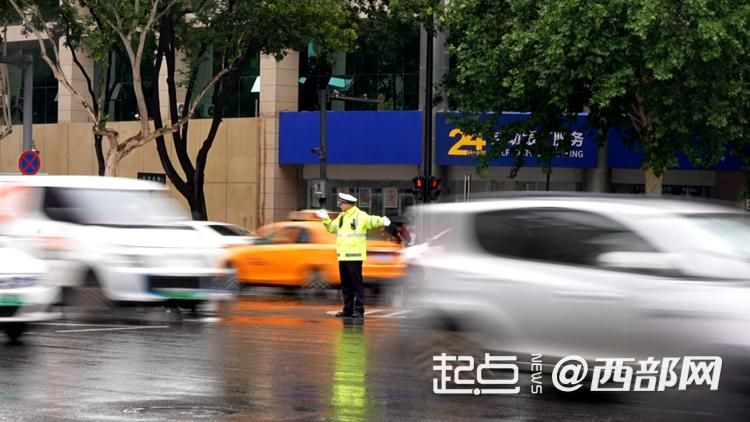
(434,188)
(418,189)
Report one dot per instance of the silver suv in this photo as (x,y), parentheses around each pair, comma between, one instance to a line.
(594,276)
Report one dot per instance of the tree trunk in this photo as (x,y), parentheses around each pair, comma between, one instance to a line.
(198,203)
(113,161)
(100,164)
(653,183)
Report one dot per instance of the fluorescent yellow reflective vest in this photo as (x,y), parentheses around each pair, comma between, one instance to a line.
(351,233)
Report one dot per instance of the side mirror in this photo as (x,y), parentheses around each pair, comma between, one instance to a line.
(656,263)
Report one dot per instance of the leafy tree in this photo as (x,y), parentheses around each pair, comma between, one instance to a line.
(233,33)
(672,75)
(101,24)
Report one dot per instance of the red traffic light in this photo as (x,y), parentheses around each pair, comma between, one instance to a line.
(418,182)
(434,183)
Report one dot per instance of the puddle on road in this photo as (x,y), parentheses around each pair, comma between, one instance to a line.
(197,412)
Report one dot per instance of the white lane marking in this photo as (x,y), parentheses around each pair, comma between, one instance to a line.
(72,324)
(209,319)
(113,329)
(397,314)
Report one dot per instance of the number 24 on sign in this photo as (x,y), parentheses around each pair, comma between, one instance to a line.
(462,147)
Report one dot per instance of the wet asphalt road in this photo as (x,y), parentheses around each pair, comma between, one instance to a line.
(269,357)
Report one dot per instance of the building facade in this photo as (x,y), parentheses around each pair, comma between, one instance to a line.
(263,163)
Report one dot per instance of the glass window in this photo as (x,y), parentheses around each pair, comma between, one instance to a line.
(116,207)
(44,94)
(242,102)
(554,235)
(304,236)
(122,104)
(286,235)
(733,230)
(388,72)
(226,230)
(57,208)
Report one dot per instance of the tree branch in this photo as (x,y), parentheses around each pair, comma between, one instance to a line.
(89,84)
(56,70)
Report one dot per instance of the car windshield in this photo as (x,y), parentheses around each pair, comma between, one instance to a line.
(226,230)
(733,230)
(122,207)
(727,234)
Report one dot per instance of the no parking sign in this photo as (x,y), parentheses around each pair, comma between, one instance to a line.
(29,162)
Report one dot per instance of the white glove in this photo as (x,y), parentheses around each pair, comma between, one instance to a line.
(386,221)
(322,214)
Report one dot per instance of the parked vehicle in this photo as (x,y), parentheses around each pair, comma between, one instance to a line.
(229,235)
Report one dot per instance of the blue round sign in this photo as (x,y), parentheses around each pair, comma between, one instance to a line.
(29,162)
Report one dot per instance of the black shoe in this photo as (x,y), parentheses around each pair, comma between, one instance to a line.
(358,315)
(343,314)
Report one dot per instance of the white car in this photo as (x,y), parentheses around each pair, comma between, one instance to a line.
(593,276)
(227,234)
(111,241)
(24,298)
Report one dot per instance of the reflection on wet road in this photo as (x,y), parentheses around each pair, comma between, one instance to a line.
(266,358)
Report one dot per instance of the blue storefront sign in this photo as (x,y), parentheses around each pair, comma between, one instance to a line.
(353,137)
(395,137)
(455,148)
(619,156)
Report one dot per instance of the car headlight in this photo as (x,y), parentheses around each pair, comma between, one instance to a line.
(180,261)
(126,260)
(17,281)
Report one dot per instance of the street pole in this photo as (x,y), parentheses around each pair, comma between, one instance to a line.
(427,132)
(28,95)
(323,99)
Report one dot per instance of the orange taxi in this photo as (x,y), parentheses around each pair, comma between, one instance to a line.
(303,254)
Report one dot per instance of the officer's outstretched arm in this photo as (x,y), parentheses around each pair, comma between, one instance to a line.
(373,222)
(331,226)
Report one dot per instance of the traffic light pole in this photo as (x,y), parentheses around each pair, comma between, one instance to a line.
(322,151)
(427,132)
(323,98)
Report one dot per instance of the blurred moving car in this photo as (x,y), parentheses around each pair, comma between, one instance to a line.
(24,297)
(111,241)
(303,254)
(594,276)
(228,235)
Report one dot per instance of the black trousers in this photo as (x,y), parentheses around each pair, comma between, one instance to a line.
(352,286)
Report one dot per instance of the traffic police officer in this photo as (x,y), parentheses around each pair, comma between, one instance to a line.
(351,227)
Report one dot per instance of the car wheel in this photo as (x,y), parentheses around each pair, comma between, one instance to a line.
(14,331)
(89,299)
(441,338)
(232,281)
(315,282)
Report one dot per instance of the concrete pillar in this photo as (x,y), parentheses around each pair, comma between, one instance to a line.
(279,91)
